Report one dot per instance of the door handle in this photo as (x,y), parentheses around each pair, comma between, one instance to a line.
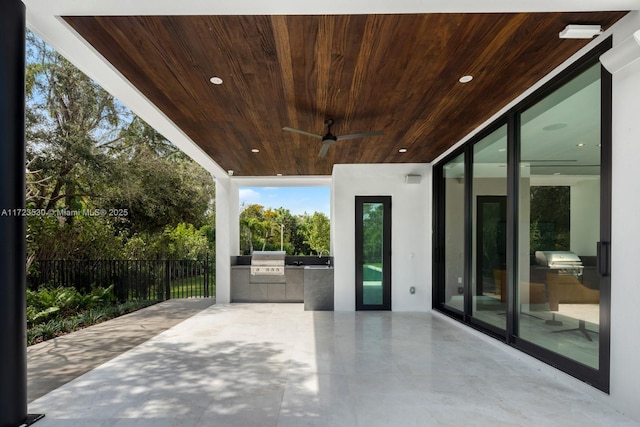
(603,259)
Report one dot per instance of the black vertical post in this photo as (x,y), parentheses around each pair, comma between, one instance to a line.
(206,276)
(13,323)
(167,272)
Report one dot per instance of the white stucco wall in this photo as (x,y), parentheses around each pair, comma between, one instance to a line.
(625,240)
(410,231)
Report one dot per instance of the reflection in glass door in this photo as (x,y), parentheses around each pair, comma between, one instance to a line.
(489,186)
(451,245)
(522,225)
(373,253)
(490,296)
(559,218)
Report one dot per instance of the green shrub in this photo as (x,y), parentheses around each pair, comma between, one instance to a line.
(47,303)
(62,325)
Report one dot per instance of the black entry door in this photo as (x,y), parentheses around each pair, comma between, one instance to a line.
(373,252)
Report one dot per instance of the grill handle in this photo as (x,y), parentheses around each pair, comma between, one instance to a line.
(603,259)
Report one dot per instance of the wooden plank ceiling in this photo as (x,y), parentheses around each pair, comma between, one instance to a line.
(395,73)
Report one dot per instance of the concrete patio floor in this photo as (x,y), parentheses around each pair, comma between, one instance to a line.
(55,362)
(277,365)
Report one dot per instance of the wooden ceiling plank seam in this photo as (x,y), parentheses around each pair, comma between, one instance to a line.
(282,145)
(283,46)
(370,35)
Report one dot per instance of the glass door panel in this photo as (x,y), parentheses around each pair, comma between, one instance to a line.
(559,221)
(453,218)
(373,247)
(489,260)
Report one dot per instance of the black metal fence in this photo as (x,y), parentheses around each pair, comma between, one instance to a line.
(131,279)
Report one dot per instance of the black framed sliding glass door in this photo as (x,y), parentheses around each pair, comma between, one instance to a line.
(522,225)
(373,252)
(489,231)
(563,267)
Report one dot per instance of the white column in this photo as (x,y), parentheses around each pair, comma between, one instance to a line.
(227,234)
(223,240)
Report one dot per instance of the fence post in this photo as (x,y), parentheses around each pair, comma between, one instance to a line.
(206,276)
(167,272)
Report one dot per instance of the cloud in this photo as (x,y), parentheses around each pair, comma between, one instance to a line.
(247,195)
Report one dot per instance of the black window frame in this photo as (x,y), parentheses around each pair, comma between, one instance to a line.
(598,378)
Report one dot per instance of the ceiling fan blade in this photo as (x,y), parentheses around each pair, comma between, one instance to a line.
(325,148)
(360,135)
(314,135)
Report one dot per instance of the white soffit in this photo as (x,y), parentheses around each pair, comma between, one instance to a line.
(260,7)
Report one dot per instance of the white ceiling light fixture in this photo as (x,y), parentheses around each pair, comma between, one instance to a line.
(581,144)
(573,31)
(216,80)
(402,150)
(623,54)
(465,79)
(255,150)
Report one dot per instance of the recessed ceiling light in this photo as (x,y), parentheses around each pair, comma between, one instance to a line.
(465,79)
(216,80)
(502,150)
(255,150)
(555,126)
(557,173)
(278,174)
(402,150)
(580,144)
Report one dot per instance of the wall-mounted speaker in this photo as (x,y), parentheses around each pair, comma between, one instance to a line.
(412,179)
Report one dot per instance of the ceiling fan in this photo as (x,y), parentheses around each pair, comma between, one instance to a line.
(329,139)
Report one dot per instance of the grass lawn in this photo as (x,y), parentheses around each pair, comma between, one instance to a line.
(188,287)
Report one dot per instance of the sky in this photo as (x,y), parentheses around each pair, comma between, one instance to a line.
(297,199)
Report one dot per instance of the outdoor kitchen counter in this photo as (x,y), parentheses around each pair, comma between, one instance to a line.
(318,288)
(244,288)
(312,285)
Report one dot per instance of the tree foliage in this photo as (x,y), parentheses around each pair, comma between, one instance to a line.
(88,153)
(373,232)
(550,218)
(318,232)
(260,229)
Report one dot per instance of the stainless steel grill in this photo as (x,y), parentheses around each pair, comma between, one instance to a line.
(267,263)
(565,262)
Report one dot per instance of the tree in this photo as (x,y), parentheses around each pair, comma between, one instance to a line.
(68,117)
(251,227)
(318,232)
(85,151)
(260,228)
(372,229)
(550,221)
